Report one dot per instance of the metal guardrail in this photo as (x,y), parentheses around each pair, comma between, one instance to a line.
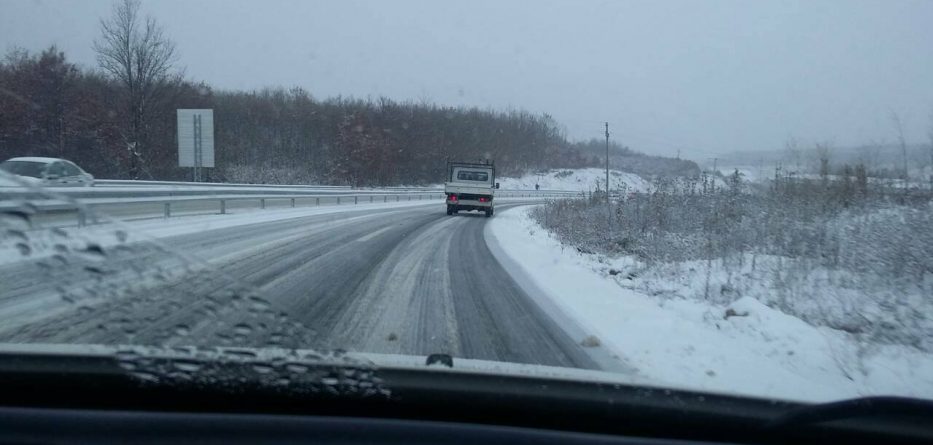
(137,183)
(85,208)
(86,193)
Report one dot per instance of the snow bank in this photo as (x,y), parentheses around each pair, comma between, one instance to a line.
(577,180)
(755,350)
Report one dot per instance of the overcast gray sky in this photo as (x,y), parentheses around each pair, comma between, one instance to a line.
(699,76)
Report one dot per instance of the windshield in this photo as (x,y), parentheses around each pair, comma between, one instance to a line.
(465,175)
(722,196)
(24,168)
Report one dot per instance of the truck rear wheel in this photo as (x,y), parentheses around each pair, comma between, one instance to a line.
(488,213)
(450,210)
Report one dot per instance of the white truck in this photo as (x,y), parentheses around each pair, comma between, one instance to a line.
(470,186)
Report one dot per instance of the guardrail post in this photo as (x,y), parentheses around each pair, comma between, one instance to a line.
(262,203)
(317,201)
(167,209)
(338,200)
(398,198)
(385,198)
(409,197)
(223,206)
(370,198)
(82,218)
(356,199)
(293,202)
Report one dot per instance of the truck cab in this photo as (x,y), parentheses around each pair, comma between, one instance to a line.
(470,186)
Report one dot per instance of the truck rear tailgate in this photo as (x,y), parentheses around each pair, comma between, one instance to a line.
(458,188)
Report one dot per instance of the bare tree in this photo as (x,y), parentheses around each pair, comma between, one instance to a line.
(792,155)
(138,54)
(930,135)
(823,151)
(902,143)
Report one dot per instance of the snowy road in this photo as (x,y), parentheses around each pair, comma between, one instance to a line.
(409,281)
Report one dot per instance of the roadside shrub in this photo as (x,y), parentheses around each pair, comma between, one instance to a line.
(828,252)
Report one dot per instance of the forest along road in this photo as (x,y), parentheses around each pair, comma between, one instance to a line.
(397,281)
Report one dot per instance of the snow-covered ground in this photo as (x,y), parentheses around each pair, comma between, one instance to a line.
(28,243)
(577,180)
(746,347)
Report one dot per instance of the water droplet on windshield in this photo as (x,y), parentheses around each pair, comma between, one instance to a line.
(94,249)
(239,353)
(182,330)
(242,329)
(145,376)
(13,233)
(296,368)
(258,305)
(263,368)
(19,216)
(128,365)
(186,365)
(330,381)
(94,269)
(121,235)
(24,249)
(127,355)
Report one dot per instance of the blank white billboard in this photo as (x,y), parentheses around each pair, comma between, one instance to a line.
(188,120)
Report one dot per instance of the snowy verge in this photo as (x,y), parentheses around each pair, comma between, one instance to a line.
(576,180)
(692,344)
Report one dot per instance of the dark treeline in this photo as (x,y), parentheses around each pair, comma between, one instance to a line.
(51,107)
(379,142)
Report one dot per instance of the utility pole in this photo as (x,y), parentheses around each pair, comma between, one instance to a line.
(608,201)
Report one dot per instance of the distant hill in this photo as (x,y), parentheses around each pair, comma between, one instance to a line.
(627,160)
(882,160)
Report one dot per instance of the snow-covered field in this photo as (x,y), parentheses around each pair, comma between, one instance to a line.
(746,347)
(577,180)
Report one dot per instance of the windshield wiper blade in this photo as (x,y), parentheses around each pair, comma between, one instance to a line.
(854,408)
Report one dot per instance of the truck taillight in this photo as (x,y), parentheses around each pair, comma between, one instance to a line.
(452,197)
(483,199)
